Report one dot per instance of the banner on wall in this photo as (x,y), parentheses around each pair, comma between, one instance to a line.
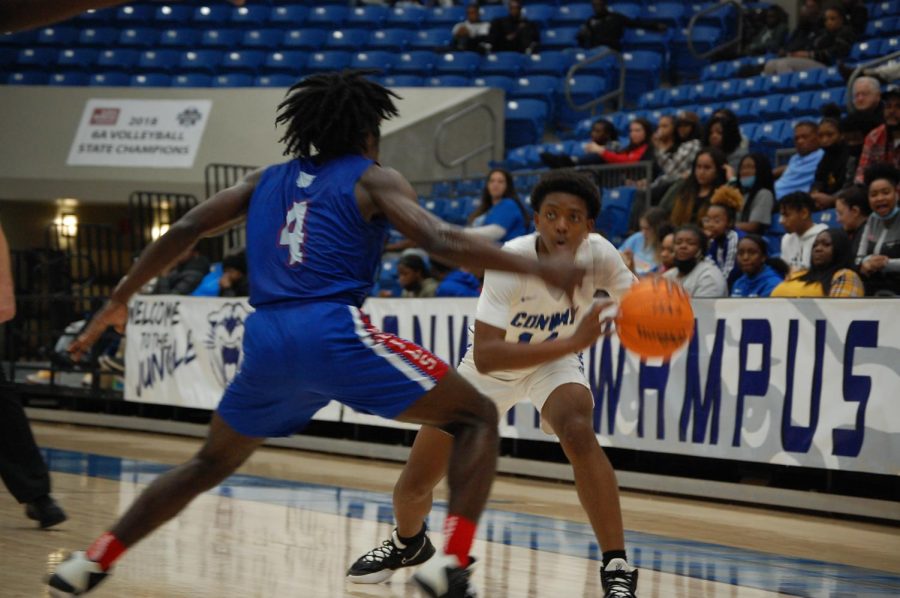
(811,383)
(139,133)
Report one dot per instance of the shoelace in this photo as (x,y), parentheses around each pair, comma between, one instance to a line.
(619,586)
(376,555)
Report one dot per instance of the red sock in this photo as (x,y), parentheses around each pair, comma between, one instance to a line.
(106,550)
(458,535)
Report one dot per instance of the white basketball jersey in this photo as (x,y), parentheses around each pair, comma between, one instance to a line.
(532,312)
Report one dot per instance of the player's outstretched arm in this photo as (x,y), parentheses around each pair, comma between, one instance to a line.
(395,198)
(207,219)
(493,352)
(16,15)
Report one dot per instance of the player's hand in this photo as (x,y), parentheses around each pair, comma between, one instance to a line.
(561,272)
(114,314)
(873,263)
(592,326)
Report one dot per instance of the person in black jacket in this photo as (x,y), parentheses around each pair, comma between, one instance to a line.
(606,28)
(514,33)
(830,44)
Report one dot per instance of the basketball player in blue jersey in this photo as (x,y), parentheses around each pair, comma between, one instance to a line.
(527,344)
(316,226)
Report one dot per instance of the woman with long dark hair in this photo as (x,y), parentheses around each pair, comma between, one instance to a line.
(830,271)
(756,184)
(674,155)
(689,203)
(500,215)
(723,133)
(640,132)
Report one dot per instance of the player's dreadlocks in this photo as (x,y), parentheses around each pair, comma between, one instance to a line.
(333,113)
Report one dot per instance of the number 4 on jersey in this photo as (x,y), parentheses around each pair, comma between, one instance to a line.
(293,233)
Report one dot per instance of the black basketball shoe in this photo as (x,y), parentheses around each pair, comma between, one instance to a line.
(442,577)
(75,576)
(619,579)
(379,564)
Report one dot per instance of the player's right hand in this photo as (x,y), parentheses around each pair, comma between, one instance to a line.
(592,326)
(561,272)
(114,314)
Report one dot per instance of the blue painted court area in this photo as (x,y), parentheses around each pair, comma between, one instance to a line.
(747,568)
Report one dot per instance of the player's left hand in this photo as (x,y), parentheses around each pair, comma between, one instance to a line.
(114,314)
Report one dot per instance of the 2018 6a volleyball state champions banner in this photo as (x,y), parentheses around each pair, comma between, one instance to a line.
(813,382)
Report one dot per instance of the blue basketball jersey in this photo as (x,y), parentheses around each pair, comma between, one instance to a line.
(306,239)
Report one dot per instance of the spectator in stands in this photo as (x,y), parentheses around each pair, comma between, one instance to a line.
(723,133)
(882,144)
(454,282)
(868,111)
(832,171)
(666,254)
(473,33)
(640,250)
(184,275)
(693,270)
(687,202)
(809,24)
(878,256)
(718,224)
(605,27)
(603,135)
(234,281)
(853,210)
(757,186)
(688,125)
(640,132)
(414,276)
(829,273)
(760,274)
(500,216)
(800,171)
(830,44)
(674,156)
(769,39)
(514,33)
(857,15)
(800,230)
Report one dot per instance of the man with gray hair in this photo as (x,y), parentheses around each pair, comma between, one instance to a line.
(867,108)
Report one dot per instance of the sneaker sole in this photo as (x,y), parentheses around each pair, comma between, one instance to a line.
(429,591)
(370,578)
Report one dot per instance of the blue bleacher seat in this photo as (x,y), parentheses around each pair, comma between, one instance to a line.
(329,16)
(489,12)
(548,62)
(304,39)
(701,93)
(288,16)
(406,17)
(650,99)
(831,77)
(882,27)
(828,96)
(387,278)
(751,87)
(138,37)
(219,38)
(203,61)
(583,89)
(865,50)
(19,39)
(396,40)
(262,39)
(445,16)
(420,63)
(558,38)
(539,87)
(108,79)
(605,66)
(158,61)
(243,61)
(643,72)
(726,90)
(885,9)
(524,122)
(510,64)
(888,46)
(76,58)
(274,80)
(643,39)
(683,62)
(150,80)
(180,38)
(36,57)
(777,83)
(98,36)
(498,81)
(134,14)
(767,107)
(7,57)
(172,15)
(539,13)
(233,80)
(629,9)
(615,214)
(675,96)
(95,17)
(431,39)
(212,15)
(805,80)
(66,78)
(457,63)
(742,108)
(252,15)
(748,130)
(118,59)
(403,81)
(349,40)
(671,13)
(572,15)
(192,80)
(720,70)
(828,217)
(289,63)
(333,60)
(798,104)
(26,77)
(447,81)
(469,186)
(374,59)
(367,17)
(56,36)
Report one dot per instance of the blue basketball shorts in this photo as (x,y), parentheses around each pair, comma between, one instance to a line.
(297,358)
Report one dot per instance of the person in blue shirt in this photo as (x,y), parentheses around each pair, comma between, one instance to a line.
(454,282)
(316,225)
(641,250)
(800,172)
(759,273)
(500,216)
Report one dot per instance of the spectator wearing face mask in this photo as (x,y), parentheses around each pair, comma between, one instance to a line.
(757,187)
(699,276)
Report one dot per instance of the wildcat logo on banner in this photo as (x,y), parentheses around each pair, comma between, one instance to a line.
(804,382)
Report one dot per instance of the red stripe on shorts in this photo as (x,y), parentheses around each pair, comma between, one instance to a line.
(420,358)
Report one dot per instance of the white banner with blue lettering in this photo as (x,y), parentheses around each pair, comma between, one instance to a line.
(810,382)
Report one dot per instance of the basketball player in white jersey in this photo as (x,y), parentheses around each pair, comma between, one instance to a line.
(527,344)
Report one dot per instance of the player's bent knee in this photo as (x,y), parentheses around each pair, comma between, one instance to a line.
(576,435)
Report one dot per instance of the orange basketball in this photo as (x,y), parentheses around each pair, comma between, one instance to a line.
(655,318)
